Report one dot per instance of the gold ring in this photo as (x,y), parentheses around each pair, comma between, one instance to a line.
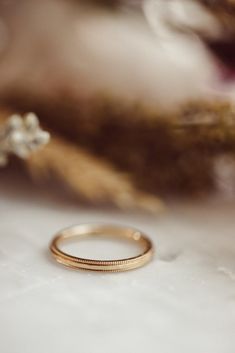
(100,265)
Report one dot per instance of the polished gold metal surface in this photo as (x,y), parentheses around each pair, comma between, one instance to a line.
(100,265)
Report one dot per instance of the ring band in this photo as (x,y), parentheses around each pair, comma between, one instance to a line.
(100,265)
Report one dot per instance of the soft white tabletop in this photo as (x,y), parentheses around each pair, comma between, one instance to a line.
(182,302)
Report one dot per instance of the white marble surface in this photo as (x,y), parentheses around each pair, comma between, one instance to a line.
(183,301)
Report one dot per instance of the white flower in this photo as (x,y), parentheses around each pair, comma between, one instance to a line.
(21,136)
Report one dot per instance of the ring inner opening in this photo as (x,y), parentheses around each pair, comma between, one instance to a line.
(101,247)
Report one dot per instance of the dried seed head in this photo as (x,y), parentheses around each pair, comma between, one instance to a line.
(21,136)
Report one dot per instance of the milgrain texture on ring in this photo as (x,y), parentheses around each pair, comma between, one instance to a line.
(118,265)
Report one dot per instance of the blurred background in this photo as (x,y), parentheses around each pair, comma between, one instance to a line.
(137,95)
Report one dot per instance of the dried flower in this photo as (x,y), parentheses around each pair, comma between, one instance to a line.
(21,136)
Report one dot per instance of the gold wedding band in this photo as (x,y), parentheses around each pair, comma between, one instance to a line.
(100,265)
